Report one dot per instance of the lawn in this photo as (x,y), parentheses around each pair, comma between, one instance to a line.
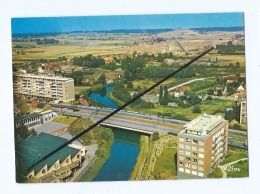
(234,154)
(209,106)
(144,145)
(165,166)
(65,119)
(217,173)
(243,170)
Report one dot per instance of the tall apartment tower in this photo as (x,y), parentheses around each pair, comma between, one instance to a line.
(53,88)
(243,112)
(201,146)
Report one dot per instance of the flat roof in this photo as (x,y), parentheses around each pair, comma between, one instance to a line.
(202,124)
(43,77)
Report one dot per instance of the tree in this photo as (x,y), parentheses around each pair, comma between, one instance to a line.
(219,93)
(196,109)
(161,95)
(102,79)
(22,132)
(24,108)
(155,136)
(209,98)
(129,84)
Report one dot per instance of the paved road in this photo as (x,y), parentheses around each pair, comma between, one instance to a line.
(123,122)
(185,83)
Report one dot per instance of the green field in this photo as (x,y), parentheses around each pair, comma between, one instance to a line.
(234,154)
(217,173)
(65,119)
(243,170)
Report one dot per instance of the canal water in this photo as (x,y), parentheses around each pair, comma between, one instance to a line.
(124,150)
(123,155)
(105,100)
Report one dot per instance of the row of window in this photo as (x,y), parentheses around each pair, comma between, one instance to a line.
(194,141)
(188,171)
(194,166)
(188,147)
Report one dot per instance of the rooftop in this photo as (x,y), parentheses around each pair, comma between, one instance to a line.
(28,116)
(202,125)
(34,148)
(47,77)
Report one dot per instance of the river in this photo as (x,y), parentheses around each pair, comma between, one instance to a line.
(123,155)
(105,100)
(124,150)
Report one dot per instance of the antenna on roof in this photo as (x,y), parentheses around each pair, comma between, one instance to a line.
(121,107)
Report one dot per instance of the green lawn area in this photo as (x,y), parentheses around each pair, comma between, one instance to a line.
(78,89)
(234,154)
(144,144)
(208,106)
(65,119)
(243,167)
(217,173)
(165,166)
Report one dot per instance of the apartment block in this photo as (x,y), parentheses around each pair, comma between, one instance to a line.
(52,88)
(243,112)
(201,146)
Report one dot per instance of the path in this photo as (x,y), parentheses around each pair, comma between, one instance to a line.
(229,164)
(185,83)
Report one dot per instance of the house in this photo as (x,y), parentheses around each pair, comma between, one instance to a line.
(240,92)
(180,91)
(222,88)
(232,79)
(83,102)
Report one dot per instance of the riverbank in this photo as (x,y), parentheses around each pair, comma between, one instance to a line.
(104,139)
(140,162)
(101,159)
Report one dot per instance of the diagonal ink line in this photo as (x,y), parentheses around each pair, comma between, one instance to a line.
(118,109)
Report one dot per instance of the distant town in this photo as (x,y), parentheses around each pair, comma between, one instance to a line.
(193,126)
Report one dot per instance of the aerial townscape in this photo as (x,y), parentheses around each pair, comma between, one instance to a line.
(192,126)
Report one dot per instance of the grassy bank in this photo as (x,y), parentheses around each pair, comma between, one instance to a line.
(144,145)
(65,119)
(94,169)
(103,137)
(243,170)
(217,173)
(234,154)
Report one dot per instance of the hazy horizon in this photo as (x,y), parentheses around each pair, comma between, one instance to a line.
(125,22)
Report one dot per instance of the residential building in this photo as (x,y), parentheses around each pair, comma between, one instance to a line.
(36,118)
(243,112)
(39,86)
(57,168)
(201,146)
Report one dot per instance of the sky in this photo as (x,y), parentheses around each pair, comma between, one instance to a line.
(98,23)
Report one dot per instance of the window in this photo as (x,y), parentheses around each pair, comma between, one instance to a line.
(194,148)
(188,158)
(187,171)
(194,154)
(181,139)
(181,163)
(67,161)
(194,172)
(187,165)
(181,151)
(43,171)
(188,140)
(201,143)
(181,169)
(194,166)
(194,141)
(188,147)
(78,156)
(181,145)
(201,149)
(201,162)
(187,153)
(194,159)
(181,157)
(201,174)
(201,168)
(201,155)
